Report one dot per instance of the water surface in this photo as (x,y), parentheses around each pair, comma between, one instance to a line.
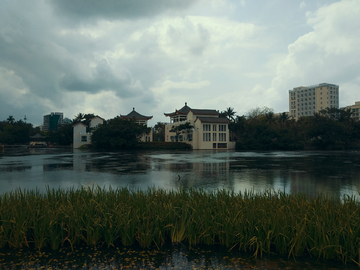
(330,173)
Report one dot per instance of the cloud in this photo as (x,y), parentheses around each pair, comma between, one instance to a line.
(100,78)
(117,9)
(303,5)
(167,85)
(329,53)
(108,57)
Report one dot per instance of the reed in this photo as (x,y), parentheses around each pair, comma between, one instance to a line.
(267,223)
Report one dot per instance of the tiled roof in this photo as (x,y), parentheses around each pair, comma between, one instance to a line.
(221,120)
(136,115)
(79,124)
(97,117)
(184,110)
(202,111)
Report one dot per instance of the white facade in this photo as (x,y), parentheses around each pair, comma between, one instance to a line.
(80,136)
(210,131)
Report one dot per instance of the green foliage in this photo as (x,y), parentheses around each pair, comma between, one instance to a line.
(15,132)
(83,118)
(182,128)
(229,114)
(262,130)
(62,135)
(159,132)
(118,134)
(267,223)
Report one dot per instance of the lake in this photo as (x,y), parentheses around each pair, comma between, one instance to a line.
(330,173)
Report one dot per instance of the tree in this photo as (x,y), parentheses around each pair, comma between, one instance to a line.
(15,132)
(83,118)
(117,134)
(283,118)
(182,128)
(10,119)
(78,118)
(229,114)
(63,135)
(159,132)
(257,112)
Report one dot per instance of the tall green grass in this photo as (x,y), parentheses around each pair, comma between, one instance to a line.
(268,223)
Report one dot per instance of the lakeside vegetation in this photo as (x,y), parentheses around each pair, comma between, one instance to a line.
(268,223)
(261,129)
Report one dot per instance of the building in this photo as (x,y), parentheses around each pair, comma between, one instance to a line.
(355,110)
(209,130)
(52,120)
(81,135)
(306,101)
(142,120)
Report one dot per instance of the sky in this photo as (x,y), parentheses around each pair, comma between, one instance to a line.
(108,57)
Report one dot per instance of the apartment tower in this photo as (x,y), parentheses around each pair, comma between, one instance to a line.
(52,120)
(306,101)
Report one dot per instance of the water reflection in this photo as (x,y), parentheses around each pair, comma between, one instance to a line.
(311,173)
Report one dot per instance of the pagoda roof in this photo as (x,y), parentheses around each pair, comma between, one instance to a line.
(37,136)
(186,109)
(205,111)
(221,120)
(136,115)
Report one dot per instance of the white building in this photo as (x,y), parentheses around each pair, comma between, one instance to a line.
(306,101)
(209,130)
(81,136)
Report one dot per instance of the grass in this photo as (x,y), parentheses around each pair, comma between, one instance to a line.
(268,223)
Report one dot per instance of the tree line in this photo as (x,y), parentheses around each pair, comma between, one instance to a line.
(114,133)
(261,129)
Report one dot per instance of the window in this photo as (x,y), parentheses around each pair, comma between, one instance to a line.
(222,145)
(206,137)
(214,127)
(214,137)
(206,127)
(222,137)
(222,127)
(84,138)
(214,145)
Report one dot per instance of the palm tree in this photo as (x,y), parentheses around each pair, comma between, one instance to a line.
(78,118)
(230,114)
(283,118)
(10,119)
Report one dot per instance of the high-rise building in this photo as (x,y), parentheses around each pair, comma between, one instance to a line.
(355,110)
(52,120)
(308,100)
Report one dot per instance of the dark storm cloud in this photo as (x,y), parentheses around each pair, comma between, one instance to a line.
(48,60)
(117,9)
(101,78)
